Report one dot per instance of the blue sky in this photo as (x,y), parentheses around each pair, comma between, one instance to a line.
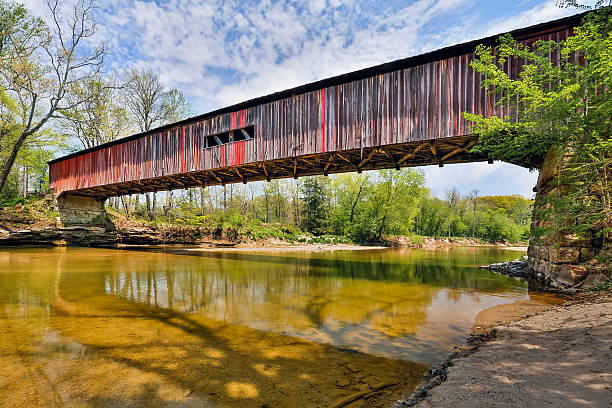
(220,52)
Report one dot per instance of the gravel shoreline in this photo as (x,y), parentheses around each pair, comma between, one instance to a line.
(561,357)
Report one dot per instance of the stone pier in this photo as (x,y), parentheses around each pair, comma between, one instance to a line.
(557,257)
(81,210)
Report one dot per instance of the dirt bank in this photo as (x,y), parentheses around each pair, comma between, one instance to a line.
(557,356)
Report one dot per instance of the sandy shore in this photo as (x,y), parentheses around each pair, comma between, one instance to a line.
(515,248)
(557,356)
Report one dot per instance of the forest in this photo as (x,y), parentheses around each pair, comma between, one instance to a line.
(362,208)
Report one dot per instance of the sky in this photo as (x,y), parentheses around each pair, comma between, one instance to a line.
(221,52)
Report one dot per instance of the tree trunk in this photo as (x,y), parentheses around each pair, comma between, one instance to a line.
(382,227)
(126,206)
(474,221)
(202,200)
(8,164)
(25,181)
(224,198)
(267,206)
(355,203)
(148,200)
(153,205)
(168,203)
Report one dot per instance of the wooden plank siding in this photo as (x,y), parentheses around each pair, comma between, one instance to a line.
(399,109)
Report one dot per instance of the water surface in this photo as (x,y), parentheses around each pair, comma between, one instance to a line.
(97,327)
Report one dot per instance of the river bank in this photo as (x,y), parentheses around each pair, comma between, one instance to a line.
(528,355)
(135,234)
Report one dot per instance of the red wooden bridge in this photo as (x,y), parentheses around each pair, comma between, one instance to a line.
(404,113)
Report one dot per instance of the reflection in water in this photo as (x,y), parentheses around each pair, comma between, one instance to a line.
(408,304)
(94,327)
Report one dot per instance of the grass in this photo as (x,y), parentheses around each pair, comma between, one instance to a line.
(35,211)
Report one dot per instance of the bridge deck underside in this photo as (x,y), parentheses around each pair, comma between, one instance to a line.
(435,152)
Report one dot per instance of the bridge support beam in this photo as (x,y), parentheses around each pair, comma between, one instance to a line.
(81,210)
(558,257)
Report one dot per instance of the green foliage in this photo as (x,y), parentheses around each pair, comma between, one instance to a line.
(356,208)
(498,218)
(175,106)
(394,201)
(315,200)
(366,208)
(565,105)
(515,207)
(350,200)
(432,217)
(558,103)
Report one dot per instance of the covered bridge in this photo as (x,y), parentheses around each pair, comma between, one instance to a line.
(404,113)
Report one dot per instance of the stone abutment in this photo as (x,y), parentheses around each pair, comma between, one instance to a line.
(81,210)
(558,257)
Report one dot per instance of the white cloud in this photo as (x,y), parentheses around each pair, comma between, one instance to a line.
(541,13)
(222,52)
(225,52)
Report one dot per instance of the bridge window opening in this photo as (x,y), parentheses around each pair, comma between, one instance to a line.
(236,135)
(224,137)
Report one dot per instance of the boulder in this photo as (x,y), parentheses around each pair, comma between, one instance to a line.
(571,274)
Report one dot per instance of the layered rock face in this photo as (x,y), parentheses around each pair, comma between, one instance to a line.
(81,235)
(557,257)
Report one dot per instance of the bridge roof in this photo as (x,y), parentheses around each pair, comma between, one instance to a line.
(442,53)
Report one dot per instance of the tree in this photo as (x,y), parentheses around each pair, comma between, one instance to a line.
(452,197)
(392,204)
(350,194)
(99,119)
(474,203)
(151,105)
(562,104)
(175,106)
(144,97)
(430,217)
(39,65)
(315,195)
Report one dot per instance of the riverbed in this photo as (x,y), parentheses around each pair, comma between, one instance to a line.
(181,327)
